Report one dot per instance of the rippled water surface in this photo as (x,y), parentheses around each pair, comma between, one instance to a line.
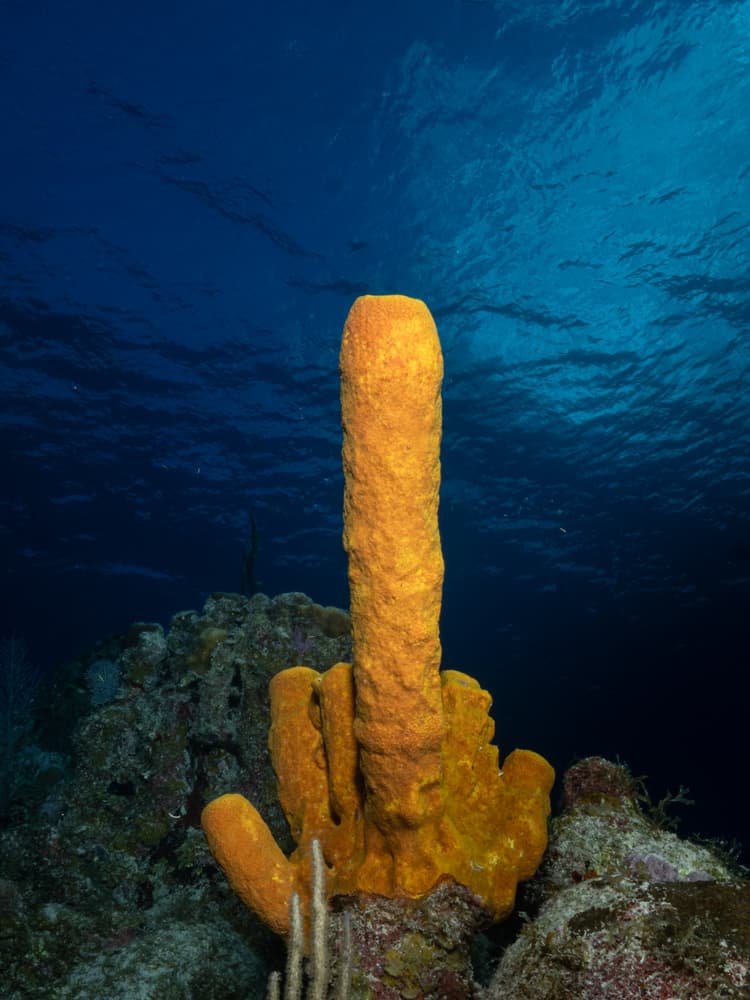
(191,199)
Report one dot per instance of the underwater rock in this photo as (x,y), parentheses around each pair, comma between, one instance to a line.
(406,948)
(110,890)
(111,875)
(626,909)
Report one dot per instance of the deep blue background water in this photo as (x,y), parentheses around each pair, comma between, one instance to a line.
(192,195)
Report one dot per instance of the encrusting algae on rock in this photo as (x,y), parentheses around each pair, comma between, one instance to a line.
(388,762)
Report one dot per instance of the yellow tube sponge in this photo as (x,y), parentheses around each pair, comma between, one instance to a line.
(252,860)
(391,373)
(387,762)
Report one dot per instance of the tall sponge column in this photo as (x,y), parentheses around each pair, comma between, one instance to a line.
(391,375)
(386,762)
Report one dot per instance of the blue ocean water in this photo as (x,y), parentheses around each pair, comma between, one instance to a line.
(191,197)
